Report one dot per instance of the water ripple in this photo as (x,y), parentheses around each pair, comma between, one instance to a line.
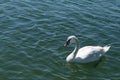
(33,33)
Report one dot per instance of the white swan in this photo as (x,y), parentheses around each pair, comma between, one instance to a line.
(85,54)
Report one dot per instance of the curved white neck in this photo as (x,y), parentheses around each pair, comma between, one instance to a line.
(77,46)
(71,56)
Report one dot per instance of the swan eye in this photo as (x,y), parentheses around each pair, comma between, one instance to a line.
(67,42)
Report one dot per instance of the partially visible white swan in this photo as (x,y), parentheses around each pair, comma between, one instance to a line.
(85,54)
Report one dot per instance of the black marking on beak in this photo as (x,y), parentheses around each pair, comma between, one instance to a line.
(67,42)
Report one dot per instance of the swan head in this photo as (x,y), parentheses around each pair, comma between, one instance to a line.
(70,39)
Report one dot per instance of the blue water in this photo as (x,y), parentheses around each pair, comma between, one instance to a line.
(32,34)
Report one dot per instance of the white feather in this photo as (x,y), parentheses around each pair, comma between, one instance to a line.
(85,54)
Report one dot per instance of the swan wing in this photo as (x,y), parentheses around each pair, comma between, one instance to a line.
(89,53)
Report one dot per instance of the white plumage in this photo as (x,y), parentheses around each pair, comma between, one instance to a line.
(85,54)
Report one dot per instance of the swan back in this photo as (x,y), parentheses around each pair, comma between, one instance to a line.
(90,53)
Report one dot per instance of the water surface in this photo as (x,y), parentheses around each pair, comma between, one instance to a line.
(32,34)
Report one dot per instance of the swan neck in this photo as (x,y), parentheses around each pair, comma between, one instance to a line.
(77,46)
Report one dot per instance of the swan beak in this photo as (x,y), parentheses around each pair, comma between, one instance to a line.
(67,43)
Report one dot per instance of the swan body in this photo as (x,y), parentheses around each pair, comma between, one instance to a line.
(85,54)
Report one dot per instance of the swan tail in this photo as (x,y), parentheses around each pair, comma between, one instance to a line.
(106,48)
